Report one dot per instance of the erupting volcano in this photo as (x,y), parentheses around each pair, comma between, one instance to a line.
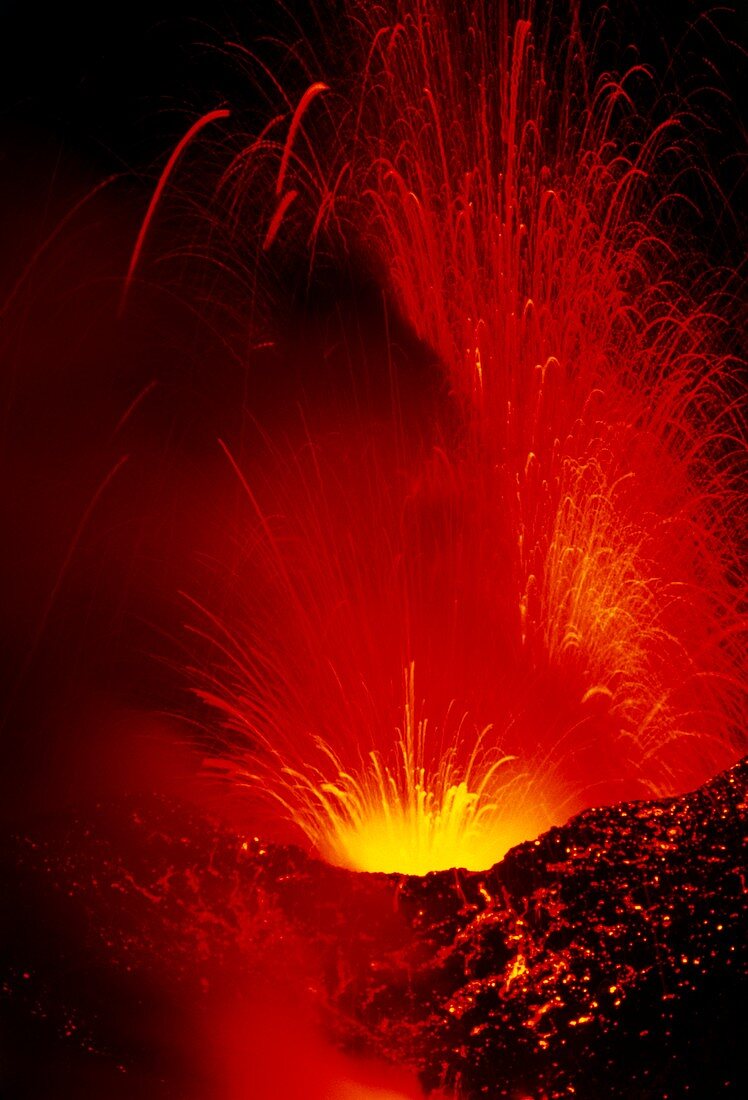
(422,455)
(552,563)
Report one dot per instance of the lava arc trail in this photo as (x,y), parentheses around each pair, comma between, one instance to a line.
(464,631)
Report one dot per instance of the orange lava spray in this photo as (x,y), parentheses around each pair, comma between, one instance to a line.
(465,633)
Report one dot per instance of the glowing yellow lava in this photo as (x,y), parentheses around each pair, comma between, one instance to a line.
(405,817)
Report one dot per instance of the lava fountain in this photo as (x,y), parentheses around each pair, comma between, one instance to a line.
(448,631)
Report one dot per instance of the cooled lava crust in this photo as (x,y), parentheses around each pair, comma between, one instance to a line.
(606,959)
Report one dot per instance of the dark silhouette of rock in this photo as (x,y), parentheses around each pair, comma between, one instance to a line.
(608,958)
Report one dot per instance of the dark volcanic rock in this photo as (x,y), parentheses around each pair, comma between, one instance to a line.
(606,959)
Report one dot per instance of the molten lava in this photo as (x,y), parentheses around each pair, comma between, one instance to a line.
(414,816)
(554,556)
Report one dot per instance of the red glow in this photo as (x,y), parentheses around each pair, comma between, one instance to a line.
(555,556)
(377,483)
(249,1060)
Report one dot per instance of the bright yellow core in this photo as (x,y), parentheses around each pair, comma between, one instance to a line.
(402,816)
(420,832)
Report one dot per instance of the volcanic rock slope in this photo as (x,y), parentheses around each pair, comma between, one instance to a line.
(608,958)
